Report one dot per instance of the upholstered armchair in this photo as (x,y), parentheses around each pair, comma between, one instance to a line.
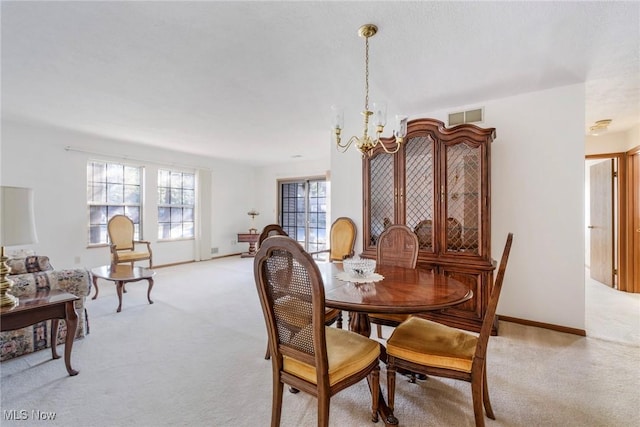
(124,248)
(31,275)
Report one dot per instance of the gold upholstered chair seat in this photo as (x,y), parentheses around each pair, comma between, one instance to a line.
(133,256)
(347,353)
(429,343)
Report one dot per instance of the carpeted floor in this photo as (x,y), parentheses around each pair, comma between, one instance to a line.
(195,358)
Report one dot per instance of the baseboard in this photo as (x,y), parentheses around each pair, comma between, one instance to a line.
(542,325)
(173,264)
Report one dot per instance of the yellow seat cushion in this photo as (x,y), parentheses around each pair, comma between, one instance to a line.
(428,343)
(399,318)
(347,353)
(132,256)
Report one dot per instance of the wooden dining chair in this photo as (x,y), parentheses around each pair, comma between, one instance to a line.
(123,244)
(398,246)
(332,315)
(422,346)
(342,239)
(271,230)
(306,354)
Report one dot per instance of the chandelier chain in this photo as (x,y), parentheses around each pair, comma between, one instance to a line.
(366,74)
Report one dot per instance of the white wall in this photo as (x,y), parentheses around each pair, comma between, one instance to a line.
(35,156)
(267,185)
(537,193)
(614,142)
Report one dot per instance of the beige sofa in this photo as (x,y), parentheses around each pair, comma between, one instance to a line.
(30,275)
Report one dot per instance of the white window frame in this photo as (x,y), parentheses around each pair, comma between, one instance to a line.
(176,204)
(107,196)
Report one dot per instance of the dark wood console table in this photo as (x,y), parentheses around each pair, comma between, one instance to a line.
(252,239)
(54,305)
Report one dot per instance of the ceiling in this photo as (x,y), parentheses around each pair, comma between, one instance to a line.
(254,81)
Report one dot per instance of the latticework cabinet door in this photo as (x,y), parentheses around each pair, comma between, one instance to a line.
(379,187)
(463,198)
(417,200)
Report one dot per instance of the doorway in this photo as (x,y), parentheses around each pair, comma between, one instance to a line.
(303,211)
(601,219)
(616,191)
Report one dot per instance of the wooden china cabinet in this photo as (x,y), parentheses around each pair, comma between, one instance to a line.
(438,184)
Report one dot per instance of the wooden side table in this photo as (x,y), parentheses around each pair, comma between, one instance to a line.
(54,305)
(252,239)
(121,275)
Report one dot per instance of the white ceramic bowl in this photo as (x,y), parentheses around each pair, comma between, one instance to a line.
(359,267)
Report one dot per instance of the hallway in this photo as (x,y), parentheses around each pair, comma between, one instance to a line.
(611,315)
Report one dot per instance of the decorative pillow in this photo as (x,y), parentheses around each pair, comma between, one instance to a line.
(30,264)
(29,284)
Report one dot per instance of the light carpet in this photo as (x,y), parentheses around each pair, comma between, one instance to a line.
(195,358)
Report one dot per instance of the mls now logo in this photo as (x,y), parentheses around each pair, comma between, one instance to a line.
(41,415)
(15,415)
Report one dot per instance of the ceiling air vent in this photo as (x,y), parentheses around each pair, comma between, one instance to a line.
(471,116)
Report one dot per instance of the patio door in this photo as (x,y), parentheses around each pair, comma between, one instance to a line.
(303,211)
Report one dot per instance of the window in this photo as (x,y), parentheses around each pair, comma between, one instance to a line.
(112,189)
(176,199)
(303,212)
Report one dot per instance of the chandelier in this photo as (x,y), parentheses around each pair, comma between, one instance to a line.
(366,143)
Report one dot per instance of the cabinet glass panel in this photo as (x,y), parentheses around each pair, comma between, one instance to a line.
(463,189)
(381,195)
(418,192)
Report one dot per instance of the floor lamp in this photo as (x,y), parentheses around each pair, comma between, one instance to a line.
(17,227)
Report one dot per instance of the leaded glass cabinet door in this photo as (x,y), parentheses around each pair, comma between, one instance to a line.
(417,194)
(463,194)
(380,211)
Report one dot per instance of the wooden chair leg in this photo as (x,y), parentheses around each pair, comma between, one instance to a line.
(375,393)
(485,395)
(379,328)
(339,322)
(323,410)
(476,395)
(276,405)
(391,383)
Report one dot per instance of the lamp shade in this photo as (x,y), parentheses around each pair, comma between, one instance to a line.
(17,222)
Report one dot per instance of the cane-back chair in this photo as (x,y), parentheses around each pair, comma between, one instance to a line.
(305,353)
(397,246)
(271,230)
(429,348)
(332,315)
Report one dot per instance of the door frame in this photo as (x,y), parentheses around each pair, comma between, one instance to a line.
(622,237)
(632,283)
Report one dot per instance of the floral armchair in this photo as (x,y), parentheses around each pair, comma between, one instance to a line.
(30,275)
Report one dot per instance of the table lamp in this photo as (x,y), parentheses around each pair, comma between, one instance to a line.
(253,214)
(17,227)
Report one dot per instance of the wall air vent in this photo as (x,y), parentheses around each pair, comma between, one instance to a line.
(471,116)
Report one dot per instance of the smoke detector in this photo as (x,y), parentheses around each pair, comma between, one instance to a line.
(600,127)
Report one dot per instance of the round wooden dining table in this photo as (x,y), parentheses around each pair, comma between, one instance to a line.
(399,290)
